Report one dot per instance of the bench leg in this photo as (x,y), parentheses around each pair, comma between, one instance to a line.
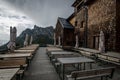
(80,67)
(63,72)
(75,79)
(90,65)
(106,77)
(101,77)
(83,66)
(18,77)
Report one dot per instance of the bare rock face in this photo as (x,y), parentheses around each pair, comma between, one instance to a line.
(40,35)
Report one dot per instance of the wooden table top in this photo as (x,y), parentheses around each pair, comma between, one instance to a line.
(14,55)
(53,49)
(7,74)
(74,60)
(23,50)
(62,52)
(28,48)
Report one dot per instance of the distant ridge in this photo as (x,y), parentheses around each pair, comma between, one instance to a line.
(40,35)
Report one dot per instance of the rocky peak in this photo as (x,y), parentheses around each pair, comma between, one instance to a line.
(40,34)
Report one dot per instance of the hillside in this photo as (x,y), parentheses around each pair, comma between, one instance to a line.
(40,35)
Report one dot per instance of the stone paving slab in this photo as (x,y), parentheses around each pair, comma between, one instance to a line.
(41,68)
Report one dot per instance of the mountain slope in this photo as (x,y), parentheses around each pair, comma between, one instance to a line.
(40,35)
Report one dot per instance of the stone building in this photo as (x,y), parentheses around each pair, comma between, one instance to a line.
(92,16)
(64,33)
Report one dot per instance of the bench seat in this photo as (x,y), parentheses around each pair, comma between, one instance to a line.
(86,74)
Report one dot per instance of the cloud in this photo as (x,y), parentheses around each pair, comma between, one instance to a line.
(44,12)
(9,17)
(24,13)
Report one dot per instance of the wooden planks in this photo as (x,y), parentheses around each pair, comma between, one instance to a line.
(14,55)
(12,63)
(8,74)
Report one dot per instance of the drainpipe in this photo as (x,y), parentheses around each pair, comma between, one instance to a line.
(86,26)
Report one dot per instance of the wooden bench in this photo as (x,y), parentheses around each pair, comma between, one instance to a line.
(108,58)
(13,63)
(103,72)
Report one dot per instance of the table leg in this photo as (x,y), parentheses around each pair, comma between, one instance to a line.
(63,71)
(80,66)
(83,66)
(27,60)
(90,65)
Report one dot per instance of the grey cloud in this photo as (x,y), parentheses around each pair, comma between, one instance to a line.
(21,27)
(1,27)
(24,17)
(14,16)
(4,36)
(44,12)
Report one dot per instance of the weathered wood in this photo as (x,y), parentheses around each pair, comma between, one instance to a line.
(8,74)
(9,63)
(74,60)
(92,73)
(15,55)
(18,51)
(110,57)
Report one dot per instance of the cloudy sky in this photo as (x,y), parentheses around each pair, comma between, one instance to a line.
(26,13)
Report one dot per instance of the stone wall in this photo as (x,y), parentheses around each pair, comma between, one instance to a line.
(101,16)
(80,28)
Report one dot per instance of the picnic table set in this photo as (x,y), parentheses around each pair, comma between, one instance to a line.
(14,64)
(62,60)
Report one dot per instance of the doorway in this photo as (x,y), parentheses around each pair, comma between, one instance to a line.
(95,42)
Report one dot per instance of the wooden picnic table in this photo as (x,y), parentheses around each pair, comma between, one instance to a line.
(73,60)
(60,53)
(14,63)
(112,54)
(63,54)
(15,55)
(37,45)
(111,57)
(53,49)
(29,48)
(23,51)
(8,74)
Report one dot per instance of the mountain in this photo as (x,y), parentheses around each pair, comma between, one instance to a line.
(40,35)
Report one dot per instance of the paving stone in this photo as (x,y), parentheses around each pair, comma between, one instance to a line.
(41,68)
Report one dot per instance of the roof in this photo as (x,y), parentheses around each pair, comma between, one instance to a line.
(82,1)
(71,16)
(76,2)
(65,23)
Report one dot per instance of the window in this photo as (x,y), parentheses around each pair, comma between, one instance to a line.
(82,24)
(75,23)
